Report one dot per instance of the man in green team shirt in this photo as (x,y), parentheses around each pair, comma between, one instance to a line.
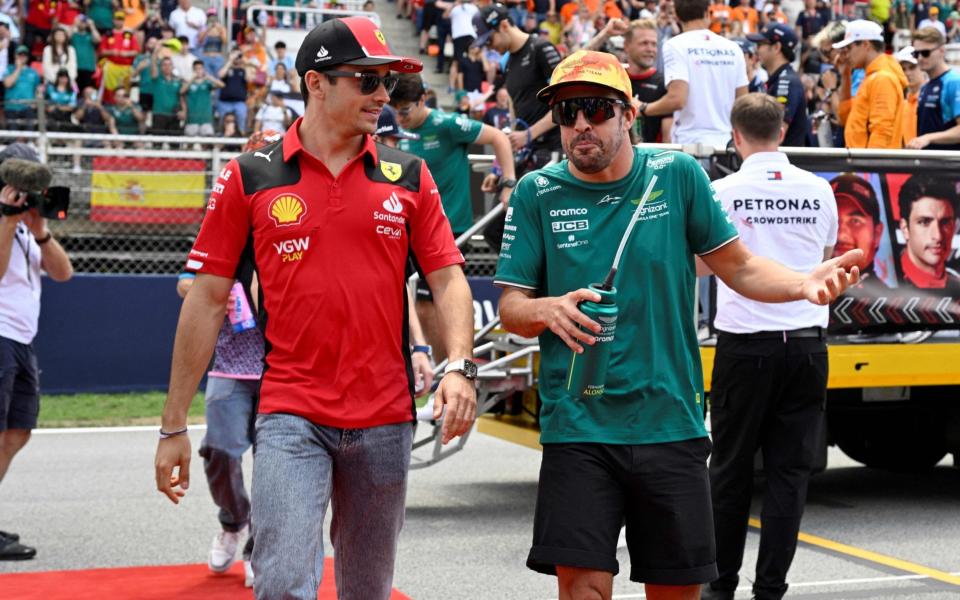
(169,107)
(197,93)
(636,454)
(442,141)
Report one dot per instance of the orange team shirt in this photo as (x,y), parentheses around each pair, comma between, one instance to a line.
(777,16)
(719,18)
(748,17)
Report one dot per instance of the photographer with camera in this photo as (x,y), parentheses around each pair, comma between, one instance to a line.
(26,247)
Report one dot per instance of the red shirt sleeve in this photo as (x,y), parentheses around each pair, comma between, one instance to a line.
(430,235)
(226,227)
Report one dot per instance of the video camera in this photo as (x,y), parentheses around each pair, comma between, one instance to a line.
(21,168)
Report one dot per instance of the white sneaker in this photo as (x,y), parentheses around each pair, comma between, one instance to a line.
(223,551)
(248,574)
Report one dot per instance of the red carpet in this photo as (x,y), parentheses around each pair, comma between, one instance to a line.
(178,582)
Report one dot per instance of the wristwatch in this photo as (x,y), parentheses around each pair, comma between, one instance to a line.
(464,366)
(507,183)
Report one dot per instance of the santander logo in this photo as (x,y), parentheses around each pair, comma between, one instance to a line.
(393,204)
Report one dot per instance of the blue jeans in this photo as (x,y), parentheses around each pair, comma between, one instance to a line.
(212,63)
(230,409)
(238,108)
(300,467)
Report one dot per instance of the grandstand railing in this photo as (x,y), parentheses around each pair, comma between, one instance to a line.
(125,224)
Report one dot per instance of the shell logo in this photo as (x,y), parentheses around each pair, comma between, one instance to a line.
(287,209)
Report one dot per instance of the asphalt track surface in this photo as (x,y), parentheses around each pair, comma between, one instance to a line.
(87,500)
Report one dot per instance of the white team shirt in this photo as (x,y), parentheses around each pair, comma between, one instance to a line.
(20,289)
(714,68)
(180,18)
(461,20)
(783,213)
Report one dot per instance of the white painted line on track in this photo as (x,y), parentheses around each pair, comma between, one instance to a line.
(128,429)
(808,584)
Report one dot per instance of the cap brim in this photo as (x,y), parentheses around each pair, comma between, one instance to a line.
(843,44)
(396,63)
(546,93)
(758,38)
(482,39)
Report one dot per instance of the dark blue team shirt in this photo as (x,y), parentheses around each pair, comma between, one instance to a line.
(784,85)
(939,107)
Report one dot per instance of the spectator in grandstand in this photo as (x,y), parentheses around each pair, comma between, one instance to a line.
(756,76)
(280,56)
(810,21)
(933,20)
(85,40)
(211,43)
(198,97)
(915,80)
(274,114)
(20,82)
(591,481)
(753,407)
(704,73)
(169,107)
(580,29)
(229,128)
(900,19)
(136,11)
(303,456)
(38,23)
(118,49)
(640,49)
(10,22)
(127,117)
(772,13)
(90,113)
(552,28)
(938,109)
(61,100)
(500,115)
(233,95)
(858,224)
(26,247)
(141,73)
(443,140)
(182,58)
(5,44)
(154,25)
(928,221)
(280,81)
(720,16)
(472,71)
(744,19)
(101,13)
(873,118)
(461,15)
(776,47)
(187,21)
(59,54)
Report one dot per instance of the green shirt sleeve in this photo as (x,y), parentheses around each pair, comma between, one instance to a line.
(708,225)
(521,261)
(462,130)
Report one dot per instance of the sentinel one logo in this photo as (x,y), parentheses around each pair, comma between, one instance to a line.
(568,212)
(292,250)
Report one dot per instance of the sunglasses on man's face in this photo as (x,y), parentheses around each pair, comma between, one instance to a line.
(595,110)
(369,82)
(924,53)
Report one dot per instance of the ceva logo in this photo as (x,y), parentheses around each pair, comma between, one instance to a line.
(393,204)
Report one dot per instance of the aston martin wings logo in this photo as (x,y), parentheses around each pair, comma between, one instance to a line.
(391,171)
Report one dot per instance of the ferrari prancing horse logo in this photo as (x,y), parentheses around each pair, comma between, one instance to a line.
(391,171)
(380,37)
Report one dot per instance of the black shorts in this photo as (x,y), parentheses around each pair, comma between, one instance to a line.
(431,16)
(460,47)
(662,493)
(19,386)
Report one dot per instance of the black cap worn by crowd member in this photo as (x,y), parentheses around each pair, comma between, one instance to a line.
(776,32)
(486,22)
(746,46)
(351,40)
(387,126)
(857,190)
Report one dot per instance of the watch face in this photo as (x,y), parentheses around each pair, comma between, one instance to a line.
(470,369)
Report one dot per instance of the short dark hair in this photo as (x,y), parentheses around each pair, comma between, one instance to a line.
(198,62)
(691,10)
(409,89)
(927,186)
(787,53)
(280,44)
(758,117)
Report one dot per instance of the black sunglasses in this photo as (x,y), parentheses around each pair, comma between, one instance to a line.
(595,110)
(369,82)
(924,53)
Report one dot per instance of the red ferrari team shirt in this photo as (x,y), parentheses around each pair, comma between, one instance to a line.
(330,254)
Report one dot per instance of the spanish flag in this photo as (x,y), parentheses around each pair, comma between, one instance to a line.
(147,190)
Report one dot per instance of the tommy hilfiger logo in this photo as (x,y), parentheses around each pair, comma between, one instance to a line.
(393,204)
(322,55)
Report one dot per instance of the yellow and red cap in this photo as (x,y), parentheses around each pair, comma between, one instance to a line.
(586,67)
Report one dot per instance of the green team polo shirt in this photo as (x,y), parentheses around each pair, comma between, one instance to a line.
(166,95)
(199,104)
(562,233)
(443,142)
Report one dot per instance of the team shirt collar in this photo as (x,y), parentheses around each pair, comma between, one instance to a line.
(765,158)
(292,143)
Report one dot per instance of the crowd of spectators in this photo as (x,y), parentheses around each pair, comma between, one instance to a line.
(162,67)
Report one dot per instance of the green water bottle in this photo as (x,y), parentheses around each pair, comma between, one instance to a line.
(587,375)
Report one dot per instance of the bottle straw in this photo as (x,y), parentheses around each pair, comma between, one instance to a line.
(608,281)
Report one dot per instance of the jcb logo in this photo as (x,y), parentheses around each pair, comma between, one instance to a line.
(568,226)
(292,250)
